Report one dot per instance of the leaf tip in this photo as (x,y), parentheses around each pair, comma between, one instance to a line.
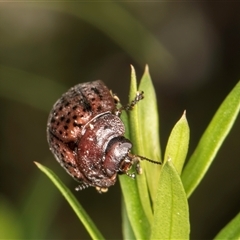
(184,117)
(146,69)
(132,68)
(36,163)
(39,165)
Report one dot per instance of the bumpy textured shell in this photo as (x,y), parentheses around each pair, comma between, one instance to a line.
(80,127)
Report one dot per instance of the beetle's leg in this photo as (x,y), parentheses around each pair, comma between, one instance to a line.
(139,96)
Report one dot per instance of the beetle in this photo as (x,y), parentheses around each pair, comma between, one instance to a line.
(86,136)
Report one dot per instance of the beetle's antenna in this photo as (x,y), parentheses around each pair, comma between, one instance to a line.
(149,160)
(145,158)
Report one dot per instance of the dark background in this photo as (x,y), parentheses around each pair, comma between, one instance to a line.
(193,52)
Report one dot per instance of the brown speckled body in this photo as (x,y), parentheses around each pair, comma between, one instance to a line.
(85,134)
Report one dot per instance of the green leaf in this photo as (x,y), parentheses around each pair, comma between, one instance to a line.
(78,209)
(171,217)
(133,114)
(177,145)
(136,215)
(149,123)
(137,201)
(211,141)
(136,130)
(126,225)
(231,231)
(132,209)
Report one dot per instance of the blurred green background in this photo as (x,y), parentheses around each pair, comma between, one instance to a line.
(193,52)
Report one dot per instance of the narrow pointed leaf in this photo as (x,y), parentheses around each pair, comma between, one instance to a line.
(231,231)
(78,209)
(211,141)
(135,220)
(133,114)
(177,145)
(135,213)
(126,225)
(171,216)
(149,122)
(136,136)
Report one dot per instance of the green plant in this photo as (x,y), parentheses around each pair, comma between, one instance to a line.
(155,204)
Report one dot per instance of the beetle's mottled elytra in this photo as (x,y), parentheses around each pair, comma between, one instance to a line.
(85,134)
